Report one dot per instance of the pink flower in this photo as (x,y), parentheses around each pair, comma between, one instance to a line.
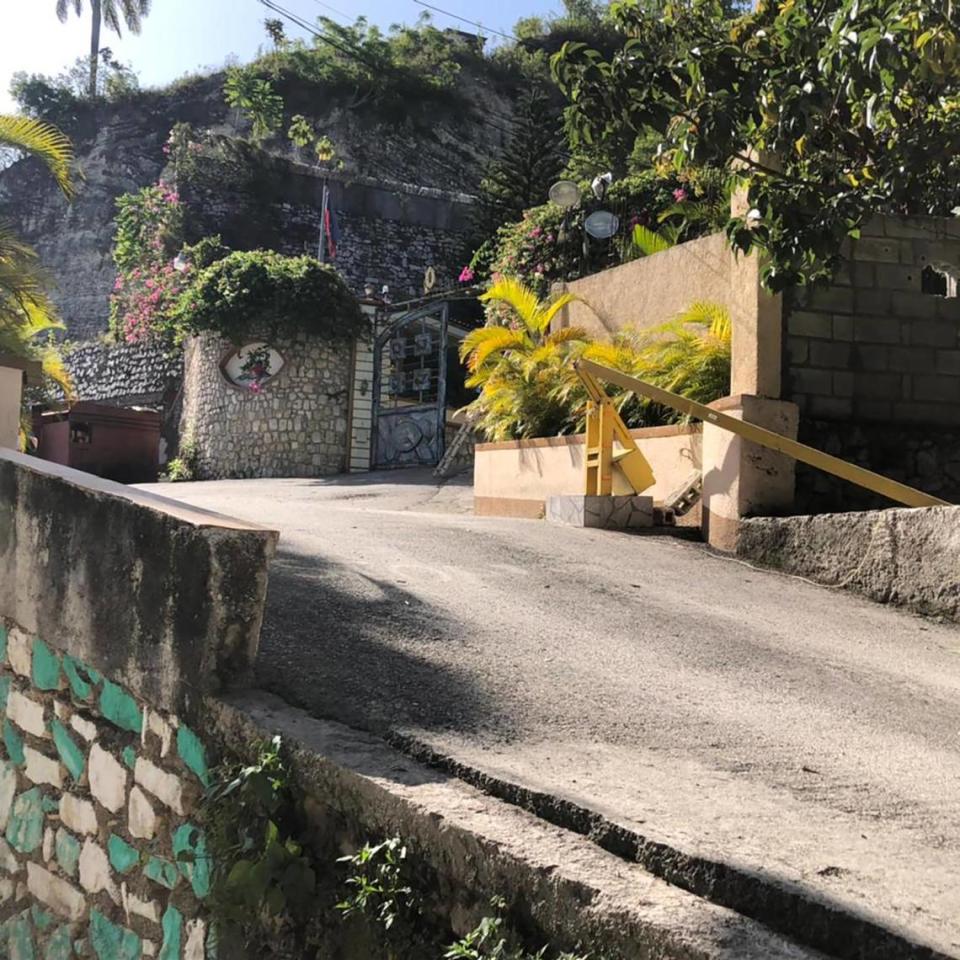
(535,232)
(255,387)
(467,275)
(679,194)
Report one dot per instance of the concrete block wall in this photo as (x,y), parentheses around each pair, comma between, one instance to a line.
(873,346)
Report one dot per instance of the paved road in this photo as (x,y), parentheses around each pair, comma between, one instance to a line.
(733,713)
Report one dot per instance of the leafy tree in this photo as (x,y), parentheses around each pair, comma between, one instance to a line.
(830,109)
(26,311)
(111,13)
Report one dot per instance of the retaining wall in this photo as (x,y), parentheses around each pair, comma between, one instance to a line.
(905,557)
(119,611)
(516,477)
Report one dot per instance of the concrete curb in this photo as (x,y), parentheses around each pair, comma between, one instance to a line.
(796,912)
(910,558)
(570,890)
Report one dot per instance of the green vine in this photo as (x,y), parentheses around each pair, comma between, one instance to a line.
(264,883)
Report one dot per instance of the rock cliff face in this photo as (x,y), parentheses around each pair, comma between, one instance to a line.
(392,228)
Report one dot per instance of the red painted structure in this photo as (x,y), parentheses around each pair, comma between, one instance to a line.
(110,442)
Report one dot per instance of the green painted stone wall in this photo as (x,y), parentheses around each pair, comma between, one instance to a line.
(101,857)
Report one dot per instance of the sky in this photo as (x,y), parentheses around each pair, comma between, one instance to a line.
(182,36)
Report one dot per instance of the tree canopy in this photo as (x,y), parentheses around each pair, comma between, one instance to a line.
(832,110)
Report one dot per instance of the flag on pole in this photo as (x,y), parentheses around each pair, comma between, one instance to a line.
(332,230)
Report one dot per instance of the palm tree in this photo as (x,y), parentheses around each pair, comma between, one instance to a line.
(518,367)
(109,12)
(26,311)
(528,385)
(688,355)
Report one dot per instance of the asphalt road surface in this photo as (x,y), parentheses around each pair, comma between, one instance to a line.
(732,713)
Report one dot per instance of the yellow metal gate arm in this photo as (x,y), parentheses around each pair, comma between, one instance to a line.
(886,487)
(603,427)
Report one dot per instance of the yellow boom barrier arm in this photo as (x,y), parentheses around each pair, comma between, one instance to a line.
(603,427)
(590,373)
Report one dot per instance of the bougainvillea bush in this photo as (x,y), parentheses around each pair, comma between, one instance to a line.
(149,235)
(549,245)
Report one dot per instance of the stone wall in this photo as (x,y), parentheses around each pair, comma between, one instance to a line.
(927,458)
(297,427)
(106,651)
(389,232)
(137,374)
(120,149)
(873,347)
(100,855)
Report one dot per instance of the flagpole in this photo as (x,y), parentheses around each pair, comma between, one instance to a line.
(322,251)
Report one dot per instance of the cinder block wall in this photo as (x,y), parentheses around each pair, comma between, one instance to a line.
(873,346)
(873,362)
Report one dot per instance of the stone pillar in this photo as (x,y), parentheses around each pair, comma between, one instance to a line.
(11,396)
(743,479)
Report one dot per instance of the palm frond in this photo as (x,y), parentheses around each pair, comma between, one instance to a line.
(546,312)
(647,242)
(44,141)
(519,297)
(63,8)
(481,344)
(566,334)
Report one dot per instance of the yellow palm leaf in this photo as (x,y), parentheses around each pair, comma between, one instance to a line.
(44,141)
(486,342)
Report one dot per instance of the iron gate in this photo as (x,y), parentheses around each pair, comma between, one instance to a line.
(410,389)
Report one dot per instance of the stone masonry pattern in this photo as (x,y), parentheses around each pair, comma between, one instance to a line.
(134,373)
(101,857)
(873,346)
(297,427)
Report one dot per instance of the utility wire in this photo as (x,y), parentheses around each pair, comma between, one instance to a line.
(474,23)
(340,13)
(353,53)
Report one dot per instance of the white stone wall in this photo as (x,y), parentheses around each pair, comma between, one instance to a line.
(101,855)
(296,427)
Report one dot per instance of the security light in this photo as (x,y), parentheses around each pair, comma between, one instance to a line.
(565,194)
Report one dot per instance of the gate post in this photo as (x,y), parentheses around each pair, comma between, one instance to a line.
(740,478)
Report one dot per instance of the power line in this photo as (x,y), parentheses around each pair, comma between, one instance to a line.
(473,23)
(340,13)
(353,53)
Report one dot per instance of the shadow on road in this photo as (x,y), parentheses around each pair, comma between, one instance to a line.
(346,647)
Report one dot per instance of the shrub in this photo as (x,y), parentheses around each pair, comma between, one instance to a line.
(528,385)
(264,293)
(149,234)
(547,246)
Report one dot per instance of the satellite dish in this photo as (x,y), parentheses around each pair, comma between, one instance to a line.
(602,224)
(429,280)
(565,194)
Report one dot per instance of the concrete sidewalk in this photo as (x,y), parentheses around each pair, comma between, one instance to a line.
(773,729)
